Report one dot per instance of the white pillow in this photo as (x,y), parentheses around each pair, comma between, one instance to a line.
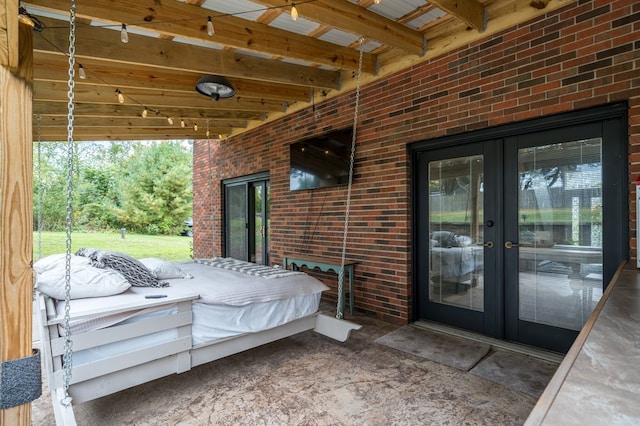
(86,280)
(162,269)
(57,260)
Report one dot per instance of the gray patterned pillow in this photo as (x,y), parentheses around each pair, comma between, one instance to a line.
(133,270)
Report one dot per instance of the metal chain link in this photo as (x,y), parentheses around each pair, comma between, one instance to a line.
(340,307)
(39,177)
(68,350)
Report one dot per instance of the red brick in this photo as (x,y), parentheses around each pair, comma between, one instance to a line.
(420,103)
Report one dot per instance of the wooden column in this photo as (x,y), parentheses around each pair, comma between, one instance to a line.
(16,217)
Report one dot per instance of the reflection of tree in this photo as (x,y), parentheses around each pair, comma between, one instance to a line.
(551,175)
(299,179)
(456,184)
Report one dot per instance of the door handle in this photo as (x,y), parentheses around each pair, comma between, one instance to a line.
(509,245)
(488,244)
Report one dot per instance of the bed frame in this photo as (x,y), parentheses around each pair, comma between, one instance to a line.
(106,376)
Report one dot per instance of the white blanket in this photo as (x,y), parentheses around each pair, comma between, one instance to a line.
(228,287)
(214,285)
(262,271)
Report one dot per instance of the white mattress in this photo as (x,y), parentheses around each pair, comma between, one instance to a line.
(211,321)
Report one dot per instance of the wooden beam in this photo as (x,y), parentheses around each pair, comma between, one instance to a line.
(54,92)
(539,4)
(179,19)
(16,213)
(151,121)
(471,12)
(169,55)
(9,33)
(55,67)
(131,134)
(45,108)
(359,21)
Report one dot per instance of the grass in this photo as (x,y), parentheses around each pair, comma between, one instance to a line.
(171,248)
(559,215)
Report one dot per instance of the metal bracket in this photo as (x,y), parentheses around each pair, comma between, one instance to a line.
(20,381)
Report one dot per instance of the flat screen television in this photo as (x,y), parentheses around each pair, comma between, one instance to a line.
(320,161)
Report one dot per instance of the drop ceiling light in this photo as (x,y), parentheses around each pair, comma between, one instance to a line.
(215,87)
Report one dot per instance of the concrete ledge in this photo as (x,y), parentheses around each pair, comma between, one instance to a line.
(598,381)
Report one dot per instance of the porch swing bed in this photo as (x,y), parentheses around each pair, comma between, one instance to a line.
(207,310)
(98,344)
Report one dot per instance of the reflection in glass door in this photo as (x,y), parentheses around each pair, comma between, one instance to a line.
(236,221)
(456,206)
(259,223)
(517,236)
(560,229)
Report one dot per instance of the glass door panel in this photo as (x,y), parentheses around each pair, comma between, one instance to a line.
(560,277)
(518,235)
(259,224)
(236,221)
(247,218)
(456,206)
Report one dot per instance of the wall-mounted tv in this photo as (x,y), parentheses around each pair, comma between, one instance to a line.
(320,161)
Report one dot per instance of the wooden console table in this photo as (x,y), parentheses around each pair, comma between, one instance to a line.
(325,264)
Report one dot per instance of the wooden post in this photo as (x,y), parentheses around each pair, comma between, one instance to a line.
(16,211)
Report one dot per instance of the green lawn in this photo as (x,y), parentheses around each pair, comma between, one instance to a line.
(172,248)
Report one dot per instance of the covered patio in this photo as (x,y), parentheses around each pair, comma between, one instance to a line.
(310,380)
(426,69)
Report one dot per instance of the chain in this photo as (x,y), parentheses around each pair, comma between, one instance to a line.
(67,357)
(39,177)
(340,307)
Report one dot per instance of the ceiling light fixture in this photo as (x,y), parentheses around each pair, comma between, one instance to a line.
(215,87)
(81,73)
(294,11)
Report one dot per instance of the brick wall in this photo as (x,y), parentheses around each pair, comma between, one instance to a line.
(584,55)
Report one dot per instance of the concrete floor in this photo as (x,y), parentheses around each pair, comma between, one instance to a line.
(309,379)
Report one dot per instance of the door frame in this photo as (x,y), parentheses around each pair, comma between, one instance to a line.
(490,319)
(248,182)
(616,246)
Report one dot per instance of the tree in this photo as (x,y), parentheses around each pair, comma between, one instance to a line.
(49,186)
(156,189)
(143,187)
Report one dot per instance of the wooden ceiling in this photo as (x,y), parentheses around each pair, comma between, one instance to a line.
(276,65)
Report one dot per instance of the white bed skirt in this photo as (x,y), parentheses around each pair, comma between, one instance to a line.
(210,324)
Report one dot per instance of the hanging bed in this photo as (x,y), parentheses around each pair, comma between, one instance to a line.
(187,314)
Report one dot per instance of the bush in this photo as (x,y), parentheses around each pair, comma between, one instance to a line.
(152,229)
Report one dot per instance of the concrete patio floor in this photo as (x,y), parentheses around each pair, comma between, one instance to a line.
(309,379)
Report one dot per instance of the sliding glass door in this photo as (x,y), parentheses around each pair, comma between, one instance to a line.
(247,218)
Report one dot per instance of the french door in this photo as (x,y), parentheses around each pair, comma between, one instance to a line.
(247,218)
(517,235)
